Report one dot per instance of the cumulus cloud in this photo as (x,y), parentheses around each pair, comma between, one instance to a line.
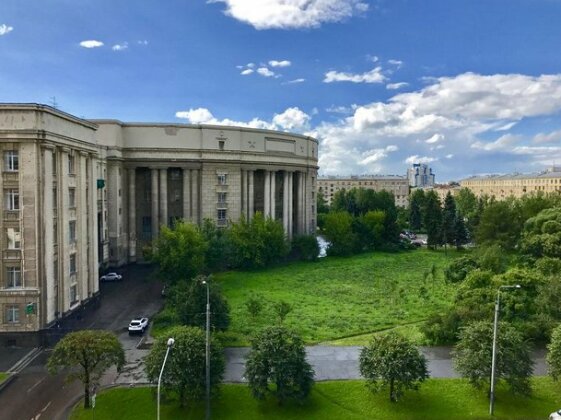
(282,63)
(5,29)
(373,76)
(419,159)
(265,72)
(91,43)
(291,14)
(463,110)
(246,72)
(397,63)
(291,82)
(291,119)
(120,47)
(142,42)
(395,86)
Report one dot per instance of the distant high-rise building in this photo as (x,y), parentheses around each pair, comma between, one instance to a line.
(420,176)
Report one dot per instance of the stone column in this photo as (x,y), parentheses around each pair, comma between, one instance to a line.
(94,251)
(300,207)
(273,193)
(154,197)
(195,196)
(164,197)
(285,202)
(251,195)
(50,300)
(82,227)
(290,204)
(186,194)
(132,215)
(243,191)
(267,195)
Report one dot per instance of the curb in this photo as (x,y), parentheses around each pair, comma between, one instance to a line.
(25,360)
(7,381)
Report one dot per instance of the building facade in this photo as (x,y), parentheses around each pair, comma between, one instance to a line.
(515,185)
(397,185)
(420,176)
(80,196)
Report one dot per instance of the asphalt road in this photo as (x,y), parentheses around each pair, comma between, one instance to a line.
(35,394)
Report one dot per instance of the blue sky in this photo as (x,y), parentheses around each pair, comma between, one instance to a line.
(468,86)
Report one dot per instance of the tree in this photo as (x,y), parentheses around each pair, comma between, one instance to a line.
(282,309)
(185,371)
(466,203)
(258,242)
(499,224)
(472,356)
(278,357)
(217,255)
(461,235)
(338,231)
(448,233)
(305,247)
(189,300)
(322,206)
(180,252)
(86,355)
(554,354)
(391,361)
(432,219)
(416,205)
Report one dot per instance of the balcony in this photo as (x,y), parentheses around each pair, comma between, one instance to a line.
(11,254)
(11,215)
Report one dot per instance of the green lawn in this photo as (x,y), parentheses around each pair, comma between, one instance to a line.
(345,400)
(3,377)
(342,300)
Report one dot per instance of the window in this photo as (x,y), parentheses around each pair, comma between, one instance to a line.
(221,217)
(222,179)
(72,231)
(71,162)
(55,232)
(11,161)
(73,294)
(72,263)
(13,237)
(12,314)
(13,277)
(11,198)
(71,197)
(55,204)
(221,144)
(221,198)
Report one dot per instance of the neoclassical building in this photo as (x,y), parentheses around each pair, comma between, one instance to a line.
(84,195)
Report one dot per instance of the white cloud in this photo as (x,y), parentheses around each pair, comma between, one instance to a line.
(291,119)
(397,63)
(394,86)
(554,136)
(419,159)
(265,72)
(142,42)
(502,143)
(450,156)
(5,29)
(506,127)
(120,47)
(246,72)
(91,43)
(283,63)
(375,155)
(435,138)
(339,109)
(295,81)
(289,14)
(373,76)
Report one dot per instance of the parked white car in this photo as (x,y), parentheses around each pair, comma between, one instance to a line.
(138,325)
(556,415)
(111,277)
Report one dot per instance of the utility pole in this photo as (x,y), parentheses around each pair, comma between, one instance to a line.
(207,364)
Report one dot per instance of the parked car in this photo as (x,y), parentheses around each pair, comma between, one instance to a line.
(111,277)
(138,325)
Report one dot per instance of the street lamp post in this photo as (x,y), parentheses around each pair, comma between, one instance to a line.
(494,355)
(207,352)
(170,343)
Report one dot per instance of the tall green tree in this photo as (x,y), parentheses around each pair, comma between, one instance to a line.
(86,355)
(433,219)
(500,223)
(461,235)
(416,205)
(321,203)
(277,365)
(466,203)
(554,354)
(448,220)
(179,252)
(472,356)
(185,372)
(391,362)
(338,230)
(189,301)
(217,255)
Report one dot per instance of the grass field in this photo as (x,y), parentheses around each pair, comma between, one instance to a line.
(342,300)
(3,377)
(345,400)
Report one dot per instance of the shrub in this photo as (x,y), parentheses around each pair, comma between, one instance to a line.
(305,248)
(459,269)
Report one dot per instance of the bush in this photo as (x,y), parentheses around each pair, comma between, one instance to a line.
(459,269)
(442,329)
(305,248)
